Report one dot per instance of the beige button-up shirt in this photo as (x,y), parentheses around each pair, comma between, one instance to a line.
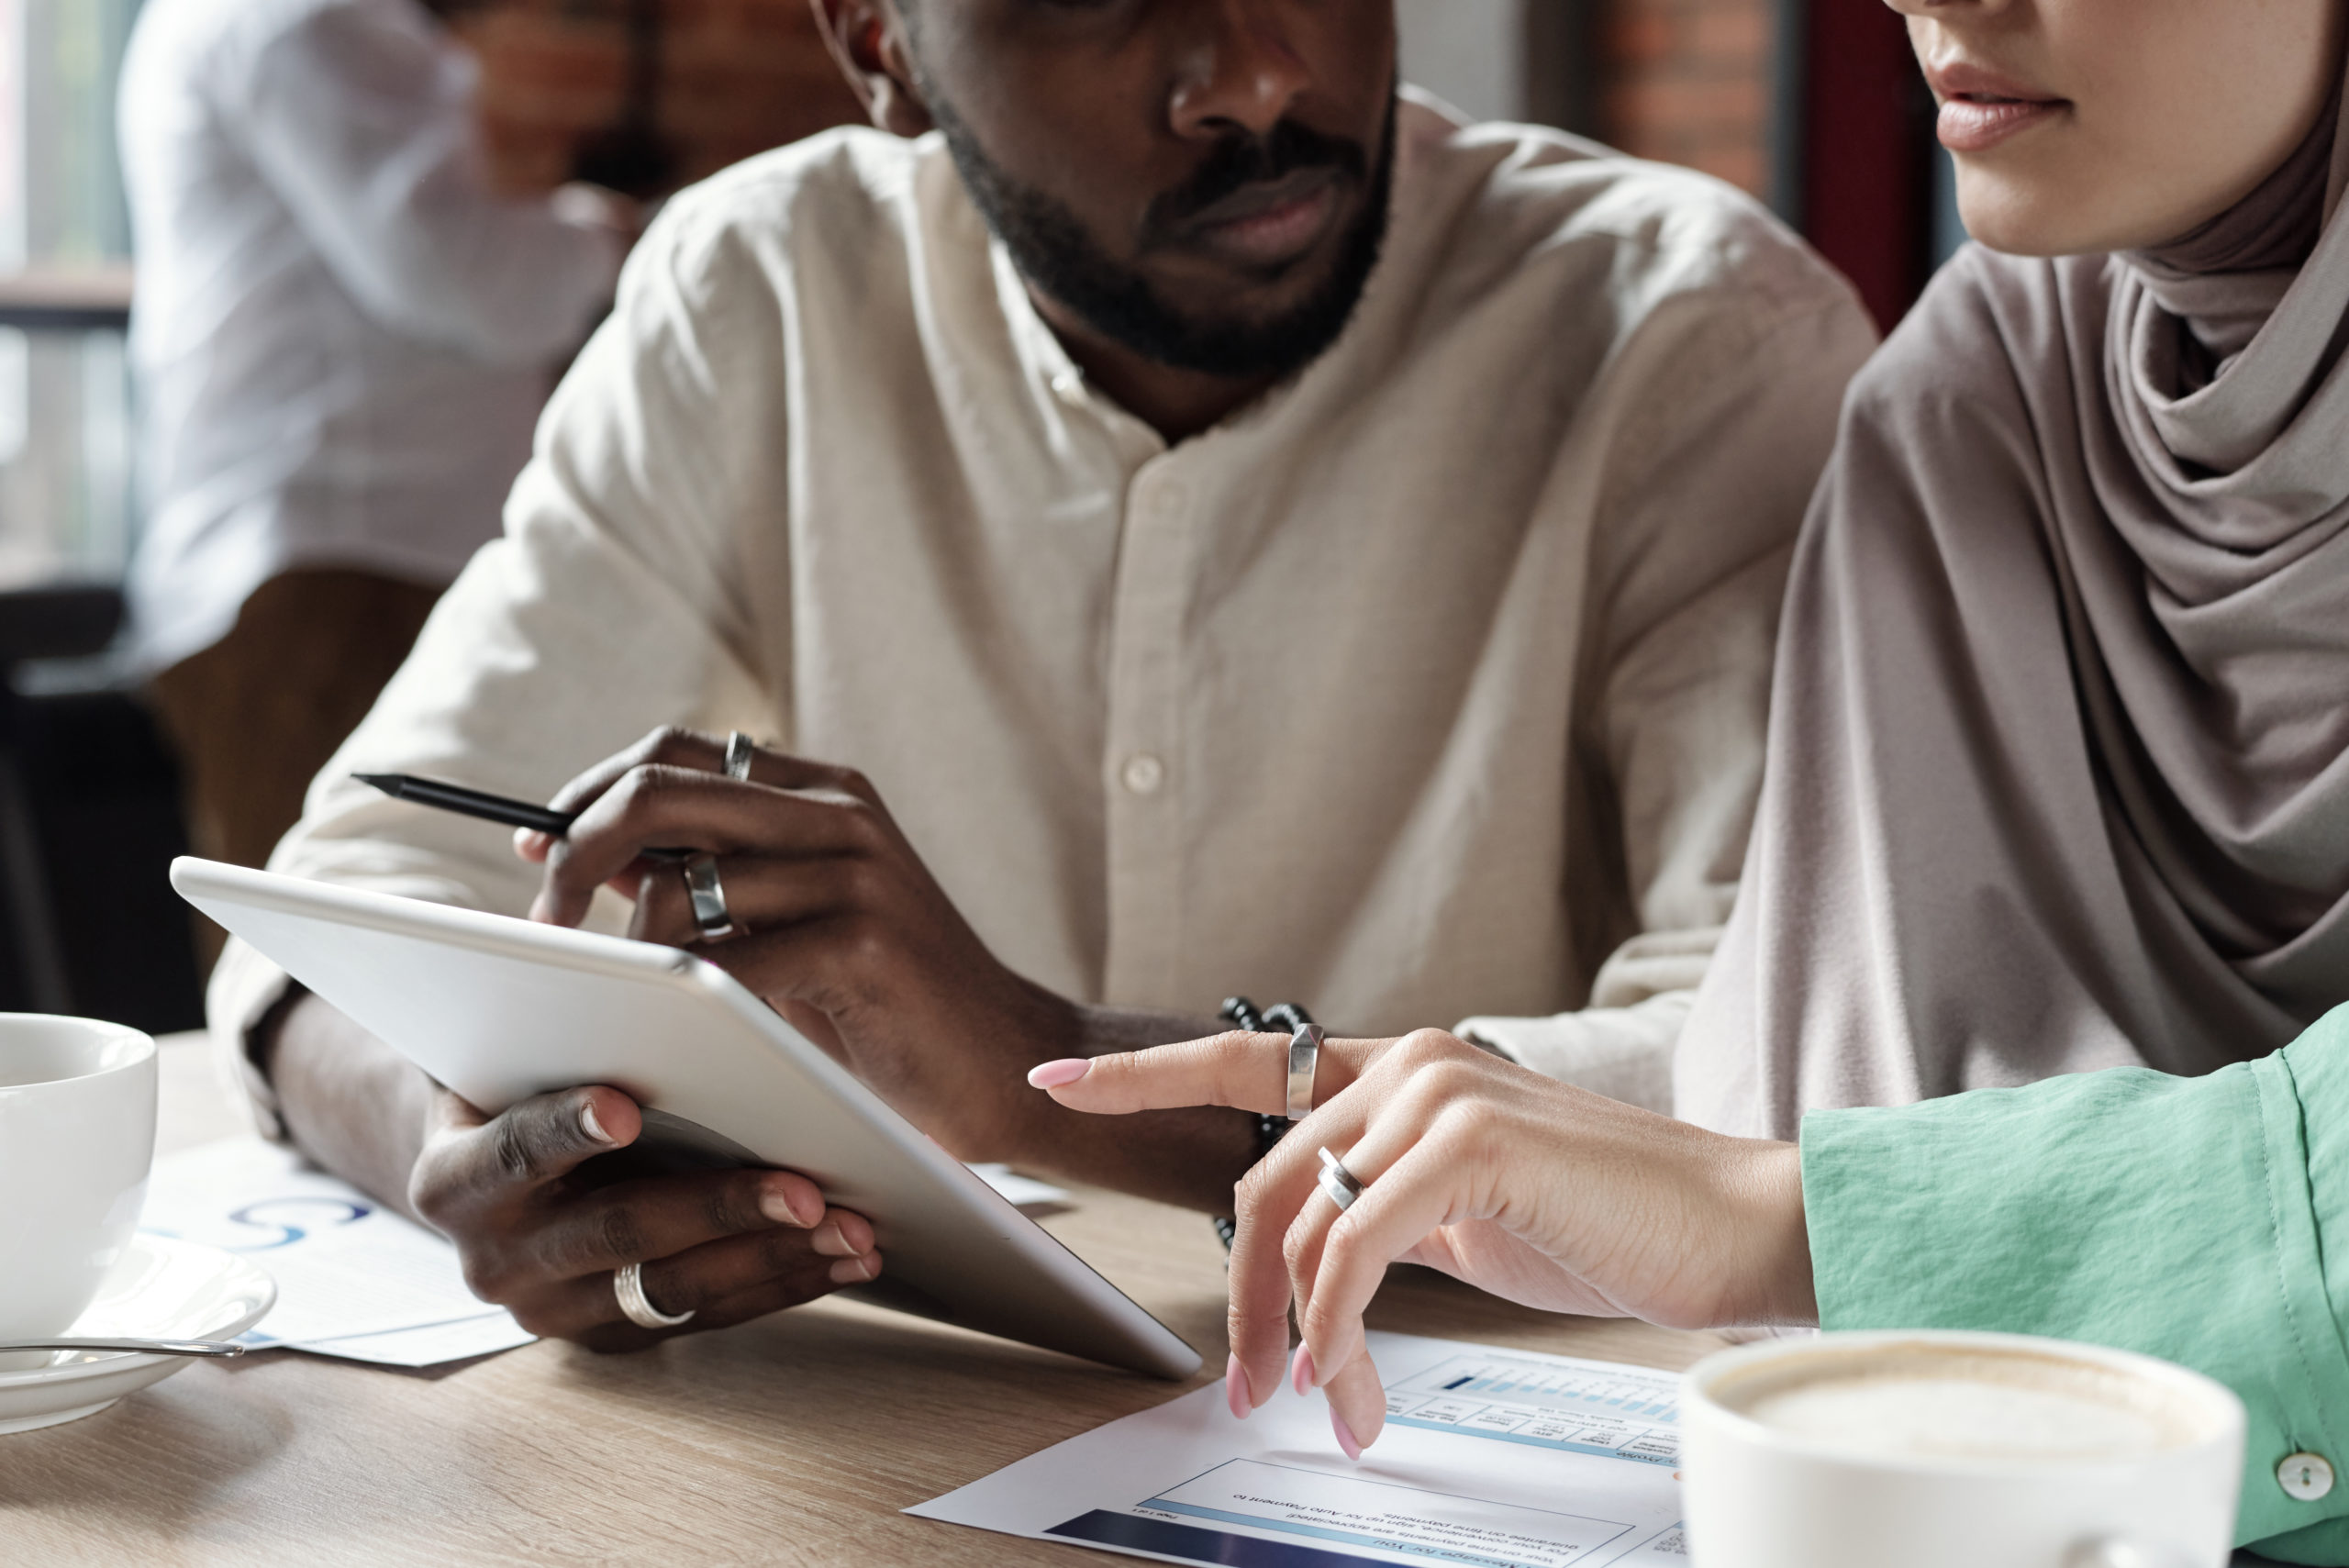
(1421,689)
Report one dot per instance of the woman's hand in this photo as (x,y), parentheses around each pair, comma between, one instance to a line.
(1521,1185)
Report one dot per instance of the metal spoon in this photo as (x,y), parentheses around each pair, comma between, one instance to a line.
(223,1348)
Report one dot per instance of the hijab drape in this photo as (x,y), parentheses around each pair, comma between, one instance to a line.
(2058,770)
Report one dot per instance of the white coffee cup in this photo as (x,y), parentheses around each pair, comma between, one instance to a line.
(1945,1449)
(77,1135)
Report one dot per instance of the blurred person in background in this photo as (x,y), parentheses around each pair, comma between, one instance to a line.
(342,333)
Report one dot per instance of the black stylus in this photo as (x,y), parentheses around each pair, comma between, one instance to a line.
(488,807)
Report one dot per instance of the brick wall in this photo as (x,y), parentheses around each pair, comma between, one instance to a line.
(1688,82)
(737,77)
(1685,80)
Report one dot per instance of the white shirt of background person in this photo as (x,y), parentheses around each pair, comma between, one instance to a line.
(343,335)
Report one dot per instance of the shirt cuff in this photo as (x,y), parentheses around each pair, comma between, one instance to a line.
(2128,1208)
(1624,1053)
(245,986)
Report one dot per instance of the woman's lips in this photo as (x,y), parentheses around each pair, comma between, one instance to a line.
(1976,124)
(1982,107)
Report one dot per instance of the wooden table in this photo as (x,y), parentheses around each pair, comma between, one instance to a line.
(792,1440)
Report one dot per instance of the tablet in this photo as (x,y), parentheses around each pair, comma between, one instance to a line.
(500,1009)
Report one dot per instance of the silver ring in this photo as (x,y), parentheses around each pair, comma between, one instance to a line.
(1338,1184)
(1304,1056)
(739,752)
(628,1285)
(708,897)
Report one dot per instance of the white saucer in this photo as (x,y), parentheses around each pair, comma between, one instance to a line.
(162,1289)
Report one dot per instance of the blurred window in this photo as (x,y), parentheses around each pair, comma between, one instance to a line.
(65,510)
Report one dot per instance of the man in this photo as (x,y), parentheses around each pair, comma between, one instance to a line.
(343,336)
(1254,534)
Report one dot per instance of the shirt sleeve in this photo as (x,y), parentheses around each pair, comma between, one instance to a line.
(1717,458)
(360,117)
(606,611)
(2203,1220)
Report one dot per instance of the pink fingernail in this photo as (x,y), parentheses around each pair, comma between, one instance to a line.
(592,1126)
(1059,1074)
(1300,1370)
(787,1205)
(1345,1434)
(1236,1392)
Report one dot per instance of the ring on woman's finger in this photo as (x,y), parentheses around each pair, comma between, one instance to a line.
(739,752)
(1304,1057)
(708,895)
(1339,1184)
(627,1284)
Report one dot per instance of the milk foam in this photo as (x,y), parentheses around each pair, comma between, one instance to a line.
(1978,1405)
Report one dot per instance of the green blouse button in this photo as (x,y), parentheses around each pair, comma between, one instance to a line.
(2306,1476)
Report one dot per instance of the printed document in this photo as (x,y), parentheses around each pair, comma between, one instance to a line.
(1491,1459)
(354,1279)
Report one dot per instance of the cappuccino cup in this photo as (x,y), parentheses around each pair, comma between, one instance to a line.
(1944,1449)
(77,1135)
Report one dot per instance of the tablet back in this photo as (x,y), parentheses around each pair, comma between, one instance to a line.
(501,1009)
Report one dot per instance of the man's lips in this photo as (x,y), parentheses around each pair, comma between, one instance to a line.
(1271,224)
(1981,108)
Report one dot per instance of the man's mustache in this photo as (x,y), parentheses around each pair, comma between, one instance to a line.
(1240,161)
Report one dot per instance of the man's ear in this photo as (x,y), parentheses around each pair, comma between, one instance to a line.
(867,38)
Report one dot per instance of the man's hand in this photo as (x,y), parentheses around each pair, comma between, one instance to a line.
(727,1246)
(843,930)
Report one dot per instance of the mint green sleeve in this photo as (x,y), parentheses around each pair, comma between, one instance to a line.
(2185,1218)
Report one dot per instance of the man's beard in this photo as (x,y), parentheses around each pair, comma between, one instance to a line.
(1055,254)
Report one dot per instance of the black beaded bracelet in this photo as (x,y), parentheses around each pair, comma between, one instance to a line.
(1285,1018)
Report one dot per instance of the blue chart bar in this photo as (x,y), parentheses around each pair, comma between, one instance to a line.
(1102,1528)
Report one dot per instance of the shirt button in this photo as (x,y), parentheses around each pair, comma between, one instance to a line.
(1143,773)
(2305,1476)
(1165,499)
(1068,385)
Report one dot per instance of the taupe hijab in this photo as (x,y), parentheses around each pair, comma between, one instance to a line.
(2058,770)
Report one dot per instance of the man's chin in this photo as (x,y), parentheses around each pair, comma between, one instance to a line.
(1249,304)
(1207,316)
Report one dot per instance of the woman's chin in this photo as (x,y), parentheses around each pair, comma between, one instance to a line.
(2024,217)
(2020,214)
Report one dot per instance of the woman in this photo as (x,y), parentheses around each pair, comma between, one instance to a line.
(2059,781)
(2058,773)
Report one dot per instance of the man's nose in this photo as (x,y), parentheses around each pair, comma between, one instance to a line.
(1238,70)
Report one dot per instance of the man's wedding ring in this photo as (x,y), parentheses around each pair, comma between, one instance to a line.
(1337,1182)
(628,1285)
(1304,1055)
(711,916)
(740,751)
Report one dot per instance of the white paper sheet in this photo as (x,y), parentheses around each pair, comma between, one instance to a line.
(1491,1459)
(1026,1193)
(353,1278)
(429,1345)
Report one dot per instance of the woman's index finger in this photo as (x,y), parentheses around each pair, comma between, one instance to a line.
(1247,1071)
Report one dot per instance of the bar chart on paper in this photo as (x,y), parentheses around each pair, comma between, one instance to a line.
(1618,1412)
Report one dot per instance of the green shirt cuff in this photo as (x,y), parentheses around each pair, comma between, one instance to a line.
(2176,1217)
